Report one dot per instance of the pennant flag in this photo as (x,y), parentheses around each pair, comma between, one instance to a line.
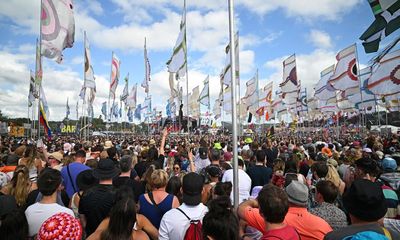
(290,85)
(172,85)
(130,115)
(44,113)
(131,100)
(345,73)
(385,80)
(226,73)
(147,70)
(68,112)
(204,97)
(57,27)
(104,109)
(125,93)
(137,114)
(89,74)
(177,63)
(387,20)
(324,90)
(115,111)
(168,108)
(114,78)
(38,71)
(32,90)
(260,111)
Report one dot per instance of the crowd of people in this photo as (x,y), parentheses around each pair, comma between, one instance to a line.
(181,187)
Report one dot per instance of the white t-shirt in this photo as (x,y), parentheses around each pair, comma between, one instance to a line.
(174,224)
(244,183)
(37,213)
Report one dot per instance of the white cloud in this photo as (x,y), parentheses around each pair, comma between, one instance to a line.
(320,39)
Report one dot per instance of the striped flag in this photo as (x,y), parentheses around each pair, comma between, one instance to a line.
(177,63)
(226,74)
(324,90)
(44,113)
(57,27)
(147,70)
(291,85)
(387,20)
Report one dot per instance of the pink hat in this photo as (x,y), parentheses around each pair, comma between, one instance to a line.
(60,226)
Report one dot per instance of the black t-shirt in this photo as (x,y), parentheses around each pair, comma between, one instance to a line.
(96,204)
(260,175)
(136,186)
(141,168)
(272,154)
(12,160)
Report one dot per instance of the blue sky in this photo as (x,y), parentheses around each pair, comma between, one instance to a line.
(270,30)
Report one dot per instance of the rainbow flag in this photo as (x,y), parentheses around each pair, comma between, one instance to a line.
(43,120)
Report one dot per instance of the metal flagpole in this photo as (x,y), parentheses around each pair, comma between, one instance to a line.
(361,94)
(187,74)
(234,112)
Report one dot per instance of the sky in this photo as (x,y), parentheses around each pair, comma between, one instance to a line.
(269,30)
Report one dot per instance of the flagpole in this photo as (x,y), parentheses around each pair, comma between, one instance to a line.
(234,112)
(109,92)
(187,72)
(359,87)
(36,73)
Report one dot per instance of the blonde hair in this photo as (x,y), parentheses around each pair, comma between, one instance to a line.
(279,165)
(333,175)
(159,179)
(20,184)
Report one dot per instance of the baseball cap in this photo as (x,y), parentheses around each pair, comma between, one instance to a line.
(192,186)
(389,164)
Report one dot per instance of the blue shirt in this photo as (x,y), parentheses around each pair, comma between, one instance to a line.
(74,168)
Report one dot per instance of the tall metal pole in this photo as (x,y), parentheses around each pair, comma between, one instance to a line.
(187,74)
(234,112)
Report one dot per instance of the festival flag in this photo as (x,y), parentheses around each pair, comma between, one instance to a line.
(115,111)
(90,112)
(291,85)
(387,20)
(368,99)
(324,90)
(204,97)
(227,100)
(92,95)
(125,93)
(168,109)
(120,109)
(130,115)
(385,78)
(44,113)
(131,100)
(178,61)
(172,107)
(89,81)
(114,78)
(172,86)
(260,111)
(77,109)
(251,95)
(302,102)
(226,74)
(57,27)
(194,105)
(265,96)
(104,109)
(137,114)
(38,70)
(32,90)
(82,93)
(217,108)
(345,73)
(147,106)
(68,111)
(147,70)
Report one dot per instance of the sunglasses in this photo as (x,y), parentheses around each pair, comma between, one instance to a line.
(176,168)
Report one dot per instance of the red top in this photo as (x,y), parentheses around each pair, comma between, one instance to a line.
(287,233)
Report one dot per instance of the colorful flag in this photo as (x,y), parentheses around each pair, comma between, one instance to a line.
(177,63)
(104,109)
(345,73)
(147,70)
(125,93)
(251,96)
(131,100)
(114,78)
(38,70)
(204,97)
(368,98)
(57,27)
(302,102)
(32,90)
(44,113)
(137,114)
(89,74)
(385,79)
(387,20)
(68,111)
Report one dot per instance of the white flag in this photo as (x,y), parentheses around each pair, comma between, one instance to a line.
(89,75)
(345,74)
(204,97)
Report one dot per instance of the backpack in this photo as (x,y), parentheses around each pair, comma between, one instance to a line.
(370,235)
(194,231)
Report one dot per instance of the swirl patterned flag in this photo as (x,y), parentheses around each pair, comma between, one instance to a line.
(57,27)
(114,75)
(345,73)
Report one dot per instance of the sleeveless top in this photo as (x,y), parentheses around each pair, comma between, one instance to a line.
(153,213)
